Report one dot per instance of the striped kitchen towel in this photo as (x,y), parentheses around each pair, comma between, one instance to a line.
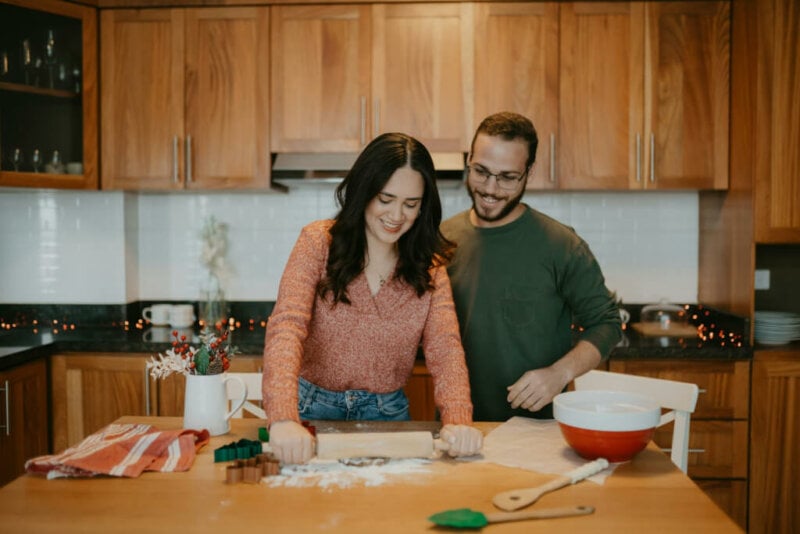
(123,450)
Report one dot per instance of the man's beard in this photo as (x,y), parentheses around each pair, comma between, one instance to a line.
(511,203)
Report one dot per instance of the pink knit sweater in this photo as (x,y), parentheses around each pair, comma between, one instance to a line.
(370,344)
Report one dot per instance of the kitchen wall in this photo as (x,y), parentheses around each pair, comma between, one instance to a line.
(114,247)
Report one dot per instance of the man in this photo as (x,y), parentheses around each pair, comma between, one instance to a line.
(521,280)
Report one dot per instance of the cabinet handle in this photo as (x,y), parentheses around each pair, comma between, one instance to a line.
(638,157)
(652,158)
(188,158)
(175,159)
(363,120)
(376,119)
(553,158)
(693,451)
(7,426)
(147,389)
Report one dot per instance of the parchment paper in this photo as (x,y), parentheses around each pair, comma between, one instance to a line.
(535,445)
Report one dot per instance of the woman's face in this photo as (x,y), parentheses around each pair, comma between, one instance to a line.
(393,211)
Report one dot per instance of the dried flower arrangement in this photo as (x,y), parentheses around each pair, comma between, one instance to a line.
(213,357)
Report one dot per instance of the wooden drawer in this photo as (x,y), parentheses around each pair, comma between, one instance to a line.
(730,495)
(717,449)
(724,385)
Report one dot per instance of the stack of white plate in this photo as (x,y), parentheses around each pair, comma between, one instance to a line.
(776,328)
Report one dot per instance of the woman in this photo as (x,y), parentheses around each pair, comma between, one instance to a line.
(359,295)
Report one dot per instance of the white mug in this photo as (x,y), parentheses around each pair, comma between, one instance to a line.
(181,315)
(206,403)
(157,314)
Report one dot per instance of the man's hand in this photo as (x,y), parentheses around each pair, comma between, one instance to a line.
(291,443)
(536,389)
(463,440)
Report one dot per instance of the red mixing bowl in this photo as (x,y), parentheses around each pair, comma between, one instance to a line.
(606,424)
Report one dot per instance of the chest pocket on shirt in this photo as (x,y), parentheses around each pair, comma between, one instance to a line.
(519,305)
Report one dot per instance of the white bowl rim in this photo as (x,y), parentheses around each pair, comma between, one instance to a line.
(634,412)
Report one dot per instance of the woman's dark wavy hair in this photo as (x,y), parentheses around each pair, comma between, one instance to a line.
(420,248)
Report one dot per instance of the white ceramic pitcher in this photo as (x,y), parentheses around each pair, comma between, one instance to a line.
(206,403)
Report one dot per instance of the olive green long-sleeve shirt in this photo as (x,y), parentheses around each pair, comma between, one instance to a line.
(518,289)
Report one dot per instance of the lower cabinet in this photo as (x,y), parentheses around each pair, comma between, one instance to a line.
(775,420)
(23,417)
(718,438)
(92,390)
(419,390)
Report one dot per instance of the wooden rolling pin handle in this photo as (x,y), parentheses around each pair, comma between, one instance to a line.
(441,445)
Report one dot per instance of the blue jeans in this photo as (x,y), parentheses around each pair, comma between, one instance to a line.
(316,403)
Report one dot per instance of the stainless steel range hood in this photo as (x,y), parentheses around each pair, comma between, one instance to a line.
(306,168)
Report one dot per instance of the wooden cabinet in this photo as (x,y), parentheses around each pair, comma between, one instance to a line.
(777,134)
(516,69)
(48,95)
(419,390)
(185,96)
(326,105)
(23,417)
(91,390)
(643,95)
(774,471)
(369,69)
(718,438)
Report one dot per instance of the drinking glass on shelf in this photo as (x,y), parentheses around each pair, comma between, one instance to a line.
(50,58)
(16,159)
(4,66)
(27,60)
(36,160)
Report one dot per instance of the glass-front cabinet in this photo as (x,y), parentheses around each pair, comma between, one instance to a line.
(48,94)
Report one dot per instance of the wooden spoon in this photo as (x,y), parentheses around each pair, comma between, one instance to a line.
(520,498)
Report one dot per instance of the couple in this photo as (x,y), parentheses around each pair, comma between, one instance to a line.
(363,292)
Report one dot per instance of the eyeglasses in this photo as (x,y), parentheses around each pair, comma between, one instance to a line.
(505,180)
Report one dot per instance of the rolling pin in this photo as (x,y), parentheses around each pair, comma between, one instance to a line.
(418,444)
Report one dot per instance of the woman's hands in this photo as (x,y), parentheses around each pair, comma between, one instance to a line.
(291,442)
(462,440)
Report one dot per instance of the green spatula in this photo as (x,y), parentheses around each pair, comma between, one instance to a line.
(466,518)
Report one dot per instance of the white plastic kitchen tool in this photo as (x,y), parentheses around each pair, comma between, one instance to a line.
(520,498)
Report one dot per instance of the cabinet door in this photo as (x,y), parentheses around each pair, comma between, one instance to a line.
(35,115)
(90,391)
(227,98)
(774,470)
(777,136)
(422,72)
(516,69)
(321,78)
(141,59)
(601,95)
(23,417)
(688,66)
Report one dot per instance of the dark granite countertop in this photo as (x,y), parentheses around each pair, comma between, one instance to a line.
(35,333)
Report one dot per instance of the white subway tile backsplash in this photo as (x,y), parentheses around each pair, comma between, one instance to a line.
(112,247)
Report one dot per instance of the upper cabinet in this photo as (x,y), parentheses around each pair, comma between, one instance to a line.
(48,94)
(777,133)
(321,97)
(644,95)
(342,74)
(624,95)
(516,69)
(185,96)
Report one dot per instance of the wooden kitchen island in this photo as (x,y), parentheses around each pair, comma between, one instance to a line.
(648,494)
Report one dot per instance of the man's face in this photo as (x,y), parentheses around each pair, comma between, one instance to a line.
(496,197)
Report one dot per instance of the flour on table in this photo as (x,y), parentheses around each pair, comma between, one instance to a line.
(332,474)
